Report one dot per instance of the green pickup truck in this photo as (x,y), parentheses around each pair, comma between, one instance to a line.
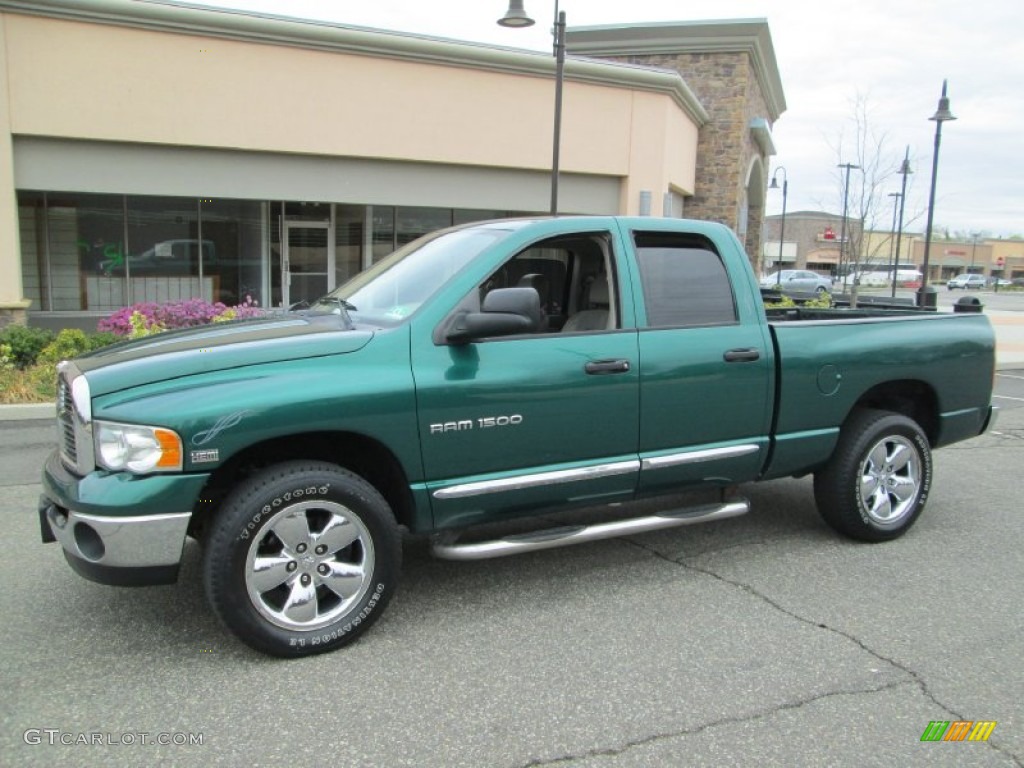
(484,373)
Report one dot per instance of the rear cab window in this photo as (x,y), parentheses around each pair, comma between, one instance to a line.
(684,281)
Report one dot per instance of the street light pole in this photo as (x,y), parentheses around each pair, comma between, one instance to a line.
(896,197)
(942,114)
(782,229)
(974,249)
(842,230)
(515,17)
(904,171)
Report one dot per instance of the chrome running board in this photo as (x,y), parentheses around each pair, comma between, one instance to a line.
(447,548)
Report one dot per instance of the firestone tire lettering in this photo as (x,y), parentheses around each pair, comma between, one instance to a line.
(245,522)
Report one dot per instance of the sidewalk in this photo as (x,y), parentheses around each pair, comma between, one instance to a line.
(1009,328)
(1008,325)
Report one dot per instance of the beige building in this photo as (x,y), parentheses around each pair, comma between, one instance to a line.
(151,152)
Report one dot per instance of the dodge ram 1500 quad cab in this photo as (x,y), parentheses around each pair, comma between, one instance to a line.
(482,373)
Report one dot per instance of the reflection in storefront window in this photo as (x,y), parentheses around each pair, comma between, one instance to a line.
(164,251)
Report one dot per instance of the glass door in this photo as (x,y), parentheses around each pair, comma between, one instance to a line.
(308,263)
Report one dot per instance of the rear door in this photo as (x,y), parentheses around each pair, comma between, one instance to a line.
(706,363)
(511,425)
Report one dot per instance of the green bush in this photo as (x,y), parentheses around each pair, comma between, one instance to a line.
(25,343)
(72,342)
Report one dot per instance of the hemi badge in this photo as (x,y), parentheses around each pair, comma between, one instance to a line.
(203,457)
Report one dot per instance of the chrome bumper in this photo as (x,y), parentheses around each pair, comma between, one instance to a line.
(118,550)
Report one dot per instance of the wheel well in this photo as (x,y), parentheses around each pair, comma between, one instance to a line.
(360,454)
(913,399)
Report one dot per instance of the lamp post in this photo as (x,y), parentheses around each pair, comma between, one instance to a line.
(842,230)
(942,114)
(516,16)
(896,197)
(904,171)
(782,228)
(974,249)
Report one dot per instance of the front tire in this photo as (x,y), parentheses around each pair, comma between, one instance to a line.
(877,481)
(302,559)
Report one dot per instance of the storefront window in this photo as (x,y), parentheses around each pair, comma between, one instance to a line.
(86,252)
(32,233)
(412,223)
(469,215)
(164,251)
(85,244)
(383,217)
(349,234)
(307,211)
(234,248)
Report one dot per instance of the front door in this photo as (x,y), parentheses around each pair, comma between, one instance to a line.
(512,425)
(308,264)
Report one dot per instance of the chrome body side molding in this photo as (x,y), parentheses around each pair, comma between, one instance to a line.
(695,457)
(535,480)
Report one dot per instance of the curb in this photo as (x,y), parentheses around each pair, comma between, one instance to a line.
(29,412)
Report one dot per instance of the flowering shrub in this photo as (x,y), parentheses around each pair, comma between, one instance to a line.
(146,318)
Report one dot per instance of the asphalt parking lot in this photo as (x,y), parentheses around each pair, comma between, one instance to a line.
(763,640)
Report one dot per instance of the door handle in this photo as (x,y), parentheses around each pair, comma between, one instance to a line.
(601,367)
(748,355)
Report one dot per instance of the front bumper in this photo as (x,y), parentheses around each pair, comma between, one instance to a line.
(115,528)
(124,551)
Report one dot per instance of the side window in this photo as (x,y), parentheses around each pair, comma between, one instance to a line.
(684,281)
(573,277)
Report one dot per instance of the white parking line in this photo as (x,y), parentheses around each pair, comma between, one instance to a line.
(1007,397)
(1009,376)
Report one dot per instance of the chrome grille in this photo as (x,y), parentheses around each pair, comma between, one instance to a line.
(66,423)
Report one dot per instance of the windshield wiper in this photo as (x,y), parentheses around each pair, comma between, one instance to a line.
(339,301)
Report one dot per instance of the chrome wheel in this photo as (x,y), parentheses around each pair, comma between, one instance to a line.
(890,480)
(309,564)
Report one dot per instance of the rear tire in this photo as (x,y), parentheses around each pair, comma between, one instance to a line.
(302,559)
(877,481)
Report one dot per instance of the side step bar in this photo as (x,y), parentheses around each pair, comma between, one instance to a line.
(449,549)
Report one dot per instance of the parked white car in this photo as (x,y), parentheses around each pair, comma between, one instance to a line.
(797,280)
(967,281)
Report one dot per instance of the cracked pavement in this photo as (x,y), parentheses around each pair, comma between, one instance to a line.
(762,640)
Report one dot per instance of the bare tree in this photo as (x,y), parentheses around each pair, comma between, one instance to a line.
(869,207)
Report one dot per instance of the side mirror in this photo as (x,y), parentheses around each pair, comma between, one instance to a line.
(505,312)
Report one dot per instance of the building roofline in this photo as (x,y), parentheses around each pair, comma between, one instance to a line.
(170,16)
(750,36)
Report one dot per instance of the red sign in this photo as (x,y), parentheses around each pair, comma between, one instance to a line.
(829,234)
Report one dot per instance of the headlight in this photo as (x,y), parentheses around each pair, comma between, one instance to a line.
(137,448)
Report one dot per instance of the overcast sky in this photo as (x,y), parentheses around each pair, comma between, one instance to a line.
(892,55)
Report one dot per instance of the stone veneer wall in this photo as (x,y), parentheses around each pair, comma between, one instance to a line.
(727,86)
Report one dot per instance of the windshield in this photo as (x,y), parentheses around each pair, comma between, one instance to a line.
(395,287)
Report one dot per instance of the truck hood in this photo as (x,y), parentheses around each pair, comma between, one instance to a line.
(174,354)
